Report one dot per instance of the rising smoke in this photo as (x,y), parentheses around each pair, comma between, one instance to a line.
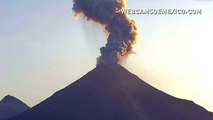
(122,30)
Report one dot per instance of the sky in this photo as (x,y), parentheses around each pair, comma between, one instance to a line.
(43,48)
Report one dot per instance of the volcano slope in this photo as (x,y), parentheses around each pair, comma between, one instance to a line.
(113,93)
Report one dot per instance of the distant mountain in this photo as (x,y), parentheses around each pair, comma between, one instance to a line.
(113,93)
(11,106)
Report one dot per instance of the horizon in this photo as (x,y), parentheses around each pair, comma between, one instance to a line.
(42,44)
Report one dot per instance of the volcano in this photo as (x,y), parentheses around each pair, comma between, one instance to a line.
(11,106)
(113,93)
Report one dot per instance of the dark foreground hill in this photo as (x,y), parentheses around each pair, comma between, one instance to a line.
(11,106)
(113,93)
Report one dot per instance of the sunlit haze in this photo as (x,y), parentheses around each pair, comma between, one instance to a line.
(44,48)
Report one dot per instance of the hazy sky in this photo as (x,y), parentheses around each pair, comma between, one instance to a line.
(43,48)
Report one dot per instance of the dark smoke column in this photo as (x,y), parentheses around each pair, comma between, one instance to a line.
(122,30)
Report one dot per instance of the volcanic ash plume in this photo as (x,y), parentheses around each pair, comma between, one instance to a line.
(122,30)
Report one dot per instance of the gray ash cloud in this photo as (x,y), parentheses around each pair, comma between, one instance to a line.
(122,30)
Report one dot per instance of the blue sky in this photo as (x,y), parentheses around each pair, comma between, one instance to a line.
(43,48)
